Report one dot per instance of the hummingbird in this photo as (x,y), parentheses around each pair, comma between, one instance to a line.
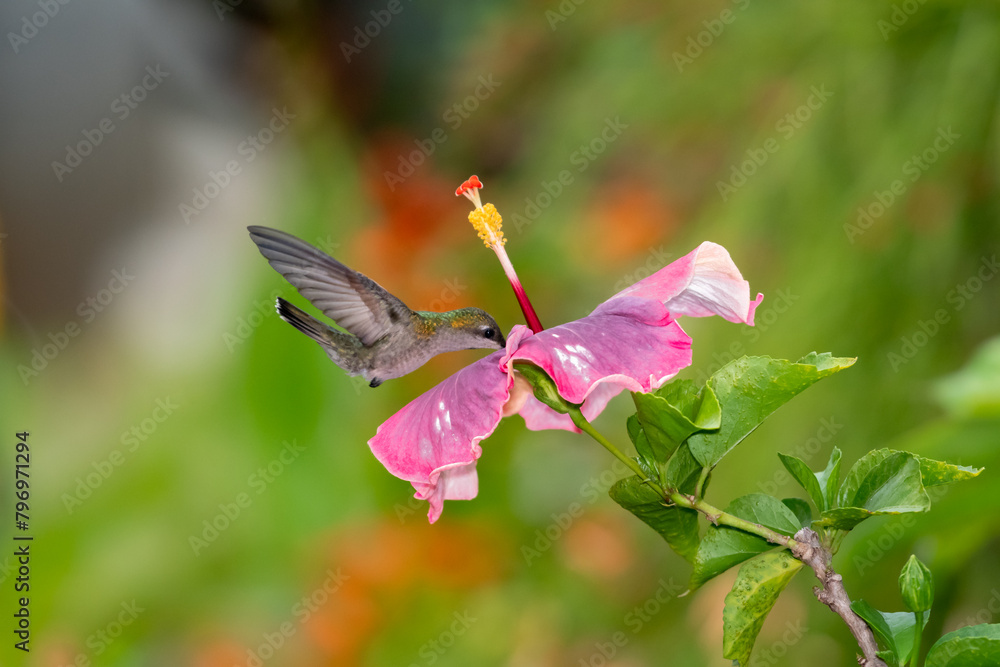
(383,338)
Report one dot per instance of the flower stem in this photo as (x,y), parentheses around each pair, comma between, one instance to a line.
(585,426)
(917,631)
(720,518)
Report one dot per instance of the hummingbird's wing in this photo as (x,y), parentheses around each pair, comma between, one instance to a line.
(352,300)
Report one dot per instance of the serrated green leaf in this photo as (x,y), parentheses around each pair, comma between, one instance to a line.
(800,509)
(829,479)
(806,479)
(751,388)
(971,646)
(880,482)
(724,547)
(677,525)
(757,587)
(673,413)
(895,631)
(934,473)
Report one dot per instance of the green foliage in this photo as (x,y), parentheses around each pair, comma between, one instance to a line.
(896,632)
(723,547)
(885,481)
(673,414)
(677,525)
(800,509)
(757,587)
(751,388)
(681,432)
(972,646)
(881,482)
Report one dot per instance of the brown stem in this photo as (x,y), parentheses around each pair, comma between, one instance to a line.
(807,548)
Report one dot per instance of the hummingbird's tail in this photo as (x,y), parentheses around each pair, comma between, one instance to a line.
(343,349)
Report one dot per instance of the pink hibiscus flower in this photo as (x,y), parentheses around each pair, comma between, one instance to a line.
(631,341)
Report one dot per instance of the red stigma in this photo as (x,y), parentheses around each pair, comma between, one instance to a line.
(471,183)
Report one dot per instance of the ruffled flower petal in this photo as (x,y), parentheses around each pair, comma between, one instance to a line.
(629,344)
(704,282)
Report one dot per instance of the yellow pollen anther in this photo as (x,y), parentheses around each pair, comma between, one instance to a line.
(487,222)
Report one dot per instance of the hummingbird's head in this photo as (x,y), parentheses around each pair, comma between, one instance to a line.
(472,328)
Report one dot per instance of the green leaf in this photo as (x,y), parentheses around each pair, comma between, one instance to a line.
(880,482)
(806,479)
(677,525)
(971,646)
(673,413)
(934,472)
(683,470)
(751,388)
(639,439)
(829,479)
(895,631)
(800,509)
(757,587)
(723,547)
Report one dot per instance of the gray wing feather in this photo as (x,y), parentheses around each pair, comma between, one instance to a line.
(352,300)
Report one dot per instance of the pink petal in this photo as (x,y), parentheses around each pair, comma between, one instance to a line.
(629,344)
(704,282)
(433,442)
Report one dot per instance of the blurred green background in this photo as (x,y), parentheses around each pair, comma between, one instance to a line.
(846,155)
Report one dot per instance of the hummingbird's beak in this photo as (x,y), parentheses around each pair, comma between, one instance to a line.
(502,341)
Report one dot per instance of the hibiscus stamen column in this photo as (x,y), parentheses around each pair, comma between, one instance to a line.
(487,222)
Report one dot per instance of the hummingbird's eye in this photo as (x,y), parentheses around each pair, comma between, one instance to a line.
(488,333)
